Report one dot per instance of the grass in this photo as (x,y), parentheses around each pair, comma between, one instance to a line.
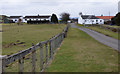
(28,34)
(80,25)
(114,26)
(81,53)
(103,31)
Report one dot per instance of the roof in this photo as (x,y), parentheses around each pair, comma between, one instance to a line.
(89,17)
(14,16)
(37,16)
(105,17)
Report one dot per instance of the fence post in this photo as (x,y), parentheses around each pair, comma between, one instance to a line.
(2,61)
(21,64)
(50,49)
(54,46)
(55,43)
(46,47)
(41,57)
(33,58)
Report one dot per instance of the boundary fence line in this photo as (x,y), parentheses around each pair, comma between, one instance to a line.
(50,45)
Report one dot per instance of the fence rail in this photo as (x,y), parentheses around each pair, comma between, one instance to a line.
(46,54)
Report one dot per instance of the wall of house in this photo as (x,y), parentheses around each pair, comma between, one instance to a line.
(80,20)
(37,20)
(15,20)
(90,21)
(93,21)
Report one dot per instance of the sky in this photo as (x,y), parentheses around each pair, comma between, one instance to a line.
(48,7)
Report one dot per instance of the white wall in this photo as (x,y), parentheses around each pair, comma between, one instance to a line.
(16,19)
(80,20)
(90,21)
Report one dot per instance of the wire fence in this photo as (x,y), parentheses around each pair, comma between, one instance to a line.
(35,58)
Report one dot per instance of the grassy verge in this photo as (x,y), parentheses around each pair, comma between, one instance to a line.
(104,31)
(81,53)
(114,26)
(28,34)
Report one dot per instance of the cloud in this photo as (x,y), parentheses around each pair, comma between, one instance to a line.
(30,7)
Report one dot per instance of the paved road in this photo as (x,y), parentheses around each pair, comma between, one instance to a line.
(100,37)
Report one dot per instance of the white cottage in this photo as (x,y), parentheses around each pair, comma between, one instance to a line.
(89,19)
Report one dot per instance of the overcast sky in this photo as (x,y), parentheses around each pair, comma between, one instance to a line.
(35,7)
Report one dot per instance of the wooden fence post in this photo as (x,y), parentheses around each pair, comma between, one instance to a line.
(41,57)
(46,47)
(50,49)
(55,43)
(2,59)
(21,64)
(33,59)
(54,46)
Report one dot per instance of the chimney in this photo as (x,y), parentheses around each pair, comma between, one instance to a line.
(101,14)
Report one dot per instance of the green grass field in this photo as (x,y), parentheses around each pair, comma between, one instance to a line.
(81,53)
(103,31)
(78,52)
(29,34)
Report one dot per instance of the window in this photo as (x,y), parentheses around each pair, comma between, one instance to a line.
(100,20)
(96,20)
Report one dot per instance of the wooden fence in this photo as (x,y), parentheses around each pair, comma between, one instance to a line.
(47,49)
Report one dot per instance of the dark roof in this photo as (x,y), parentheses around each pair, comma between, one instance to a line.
(14,16)
(36,16)
(89,17)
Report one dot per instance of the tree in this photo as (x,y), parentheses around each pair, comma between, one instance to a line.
(65,17)
(116,19)
(54,18)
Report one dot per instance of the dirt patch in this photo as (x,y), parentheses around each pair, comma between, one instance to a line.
(17,43)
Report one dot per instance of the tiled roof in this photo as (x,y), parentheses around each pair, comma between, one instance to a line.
(89,17)
(105,17)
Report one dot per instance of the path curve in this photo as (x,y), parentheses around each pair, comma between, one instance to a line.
(111,42)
